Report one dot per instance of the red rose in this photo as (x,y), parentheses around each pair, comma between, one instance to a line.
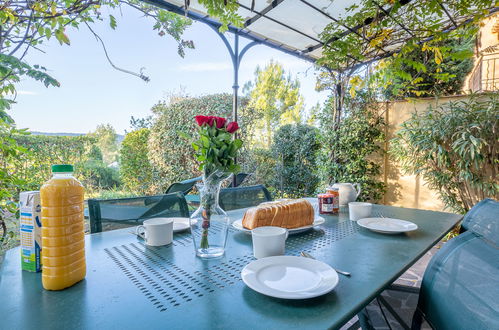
(211,120)
(201,120)
(232,127)
(220,122)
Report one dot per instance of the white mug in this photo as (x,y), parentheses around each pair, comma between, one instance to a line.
(156,231)
(268,241)
(359,210)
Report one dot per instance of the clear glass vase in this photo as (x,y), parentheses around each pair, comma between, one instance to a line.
(209,223)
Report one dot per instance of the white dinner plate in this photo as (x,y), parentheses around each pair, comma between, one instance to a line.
(181,224)
(238,224)
(387,225)
(289,277)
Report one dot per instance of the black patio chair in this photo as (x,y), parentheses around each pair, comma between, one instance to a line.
(242,197)
(109,214)
(183,186)
(240,177)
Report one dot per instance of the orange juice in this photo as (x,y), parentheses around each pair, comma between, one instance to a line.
(63,238)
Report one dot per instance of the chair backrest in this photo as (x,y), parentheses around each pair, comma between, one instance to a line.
(241,197)
(460,287)
(107,214)
(240,177)
(483,220)
(183,186)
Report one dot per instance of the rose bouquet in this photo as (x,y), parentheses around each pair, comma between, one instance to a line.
(216,150)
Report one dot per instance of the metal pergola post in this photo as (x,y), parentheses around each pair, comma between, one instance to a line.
(236,57)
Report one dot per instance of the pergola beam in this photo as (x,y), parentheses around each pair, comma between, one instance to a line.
(261,14)
(338,22)
(366,22)
(213,23)
(264,11)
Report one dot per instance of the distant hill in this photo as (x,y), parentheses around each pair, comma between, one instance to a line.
(119,136)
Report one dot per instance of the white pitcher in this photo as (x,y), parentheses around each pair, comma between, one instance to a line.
(347,191)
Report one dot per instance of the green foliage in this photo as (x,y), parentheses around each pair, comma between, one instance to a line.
(10,182)
(137,173)
(34,167)
(351,151)
(95,175)
(276,98)
(454,148)
(215,150)
(106,140)
(170,154)
(225,11)
(44,151)
(416,73)
(294,154)
(426,27)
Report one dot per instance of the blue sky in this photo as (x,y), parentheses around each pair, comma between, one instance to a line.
(92,92)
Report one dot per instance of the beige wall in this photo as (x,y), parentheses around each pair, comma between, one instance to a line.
(408,190)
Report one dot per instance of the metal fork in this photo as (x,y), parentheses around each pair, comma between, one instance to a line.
(307,255)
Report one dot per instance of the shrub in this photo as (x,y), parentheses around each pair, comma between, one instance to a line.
(294,153)
(454,148)
(95,175)
(171,155)
(137,173)
(44,151)
(350,150)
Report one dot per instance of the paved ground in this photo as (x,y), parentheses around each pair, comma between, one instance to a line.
(404,303)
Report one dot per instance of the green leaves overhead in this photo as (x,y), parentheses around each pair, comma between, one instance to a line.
(112,22)
(225,11)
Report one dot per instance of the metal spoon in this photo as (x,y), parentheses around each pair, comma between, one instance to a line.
(307,255)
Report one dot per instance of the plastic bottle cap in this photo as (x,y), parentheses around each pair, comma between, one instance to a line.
(62,168)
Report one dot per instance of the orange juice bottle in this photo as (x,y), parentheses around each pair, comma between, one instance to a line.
(63,242)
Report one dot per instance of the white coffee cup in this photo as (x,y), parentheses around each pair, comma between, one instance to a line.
(156,231)
(268,241)
(359,210)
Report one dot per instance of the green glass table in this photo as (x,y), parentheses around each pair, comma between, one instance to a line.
(129,285)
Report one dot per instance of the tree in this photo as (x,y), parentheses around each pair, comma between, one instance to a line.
(276,98)
(137,172)
(106,140)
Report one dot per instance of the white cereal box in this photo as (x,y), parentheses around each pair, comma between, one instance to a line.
(31,231)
